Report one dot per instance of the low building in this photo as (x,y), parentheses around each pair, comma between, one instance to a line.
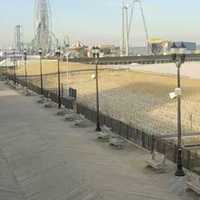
(190,46)
(163,47)
(109,50)
(159,46)
(78,50)
(106,51)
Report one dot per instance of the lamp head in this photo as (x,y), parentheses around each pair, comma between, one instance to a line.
(182,57)
(95,51)
(178,54)
(58,53)
(173,52)
(40,51)
(181,53)
(25,54)
(173,55)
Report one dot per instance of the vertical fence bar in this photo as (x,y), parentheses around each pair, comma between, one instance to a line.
(62,90)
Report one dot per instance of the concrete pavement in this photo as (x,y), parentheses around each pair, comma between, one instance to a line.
(43,157)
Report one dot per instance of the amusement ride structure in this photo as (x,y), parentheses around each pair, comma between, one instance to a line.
(128,12)
(43,36)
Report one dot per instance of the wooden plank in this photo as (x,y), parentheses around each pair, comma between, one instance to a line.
(193,187)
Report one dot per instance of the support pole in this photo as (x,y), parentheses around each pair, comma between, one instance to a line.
(179,171)
(97,98)
(14,67)
(96,52)
(6,64)
(26,79)
(127,30)
(123,30)
(59,90)
(145,27)
(41,72)
(25,63)
(58,53)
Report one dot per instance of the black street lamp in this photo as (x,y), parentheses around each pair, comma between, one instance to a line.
(41,75)
(6,65)
(25,63)
(179,58)
(95,53)
(58,53)
(14,65)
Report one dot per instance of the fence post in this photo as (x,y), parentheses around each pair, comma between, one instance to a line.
(188,159)
(62,90)
(127,132)
(143,139)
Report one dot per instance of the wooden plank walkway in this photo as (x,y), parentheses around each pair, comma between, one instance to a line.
(43,157)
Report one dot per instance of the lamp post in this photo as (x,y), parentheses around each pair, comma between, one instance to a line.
(14,66)
(68,69)
(179,59)
(59,89)
(41,75)
(25,63)
(95,53)
(6,63)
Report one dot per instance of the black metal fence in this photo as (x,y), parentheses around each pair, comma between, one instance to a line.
(191,160)
(68,102)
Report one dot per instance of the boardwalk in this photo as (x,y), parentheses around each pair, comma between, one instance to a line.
(42,157)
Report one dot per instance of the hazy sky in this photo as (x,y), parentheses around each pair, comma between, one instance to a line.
(100,20)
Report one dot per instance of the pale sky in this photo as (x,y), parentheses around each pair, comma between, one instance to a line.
(93,21)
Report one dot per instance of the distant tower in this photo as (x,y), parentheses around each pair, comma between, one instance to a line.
(42,25)
(128,10)
(18,44)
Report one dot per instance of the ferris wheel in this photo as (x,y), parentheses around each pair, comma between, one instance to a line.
(43,36)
